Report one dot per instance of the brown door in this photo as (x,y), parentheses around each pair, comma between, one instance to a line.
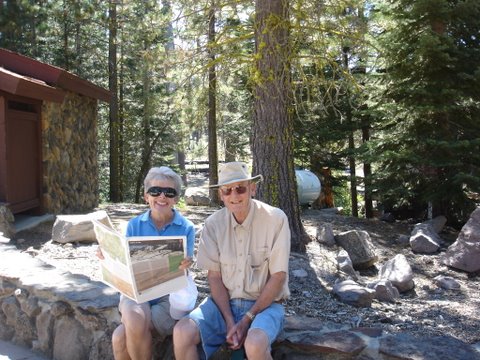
(23,155)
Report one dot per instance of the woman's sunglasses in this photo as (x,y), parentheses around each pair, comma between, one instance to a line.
(239,189)
(157,190)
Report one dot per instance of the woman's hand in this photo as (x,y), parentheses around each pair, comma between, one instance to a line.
(186,263)
(99,253)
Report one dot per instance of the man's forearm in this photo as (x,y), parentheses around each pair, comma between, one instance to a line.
(270,291)
(220,295)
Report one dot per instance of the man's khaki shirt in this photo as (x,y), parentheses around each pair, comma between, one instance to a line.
(246,254)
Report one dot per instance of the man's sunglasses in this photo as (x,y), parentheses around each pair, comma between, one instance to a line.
(157,190)
(239,189)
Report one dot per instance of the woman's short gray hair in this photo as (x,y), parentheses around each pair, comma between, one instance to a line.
(163,173)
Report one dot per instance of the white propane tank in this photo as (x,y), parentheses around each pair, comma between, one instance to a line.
(308,186)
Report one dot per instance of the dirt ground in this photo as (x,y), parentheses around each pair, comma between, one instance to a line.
(426,310)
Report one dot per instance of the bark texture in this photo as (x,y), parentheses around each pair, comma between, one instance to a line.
(273,127)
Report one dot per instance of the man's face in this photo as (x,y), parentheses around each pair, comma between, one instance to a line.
(236,196)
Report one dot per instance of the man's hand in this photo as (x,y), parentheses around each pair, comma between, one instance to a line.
(237,334)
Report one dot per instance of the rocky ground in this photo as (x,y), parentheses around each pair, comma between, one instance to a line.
(426,310)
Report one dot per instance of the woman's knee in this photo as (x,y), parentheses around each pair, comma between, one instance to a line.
(186,331)
(136,319)
(118,338)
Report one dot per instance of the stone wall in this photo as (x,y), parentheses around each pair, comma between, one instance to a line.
(63,316)
(70,170)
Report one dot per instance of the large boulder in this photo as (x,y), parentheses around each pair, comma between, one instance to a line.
(73,228)
(464,253)
(359,247)
(325,234)
(399,272)
(351,293)
(345,265)
(384,290)
(197,196)
(424,239)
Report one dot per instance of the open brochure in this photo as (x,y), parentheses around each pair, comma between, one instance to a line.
(141,267)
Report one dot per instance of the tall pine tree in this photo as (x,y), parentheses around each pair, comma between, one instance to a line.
(430,151)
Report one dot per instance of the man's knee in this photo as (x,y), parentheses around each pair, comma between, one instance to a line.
(256,343)
(186,332)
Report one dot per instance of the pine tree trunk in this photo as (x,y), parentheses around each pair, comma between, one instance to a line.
(273,127)
(367,174)
(113,119)
(351,143)
(212,109)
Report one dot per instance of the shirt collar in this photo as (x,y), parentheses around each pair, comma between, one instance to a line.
(177,220)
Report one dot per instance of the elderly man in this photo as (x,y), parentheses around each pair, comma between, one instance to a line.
(245,248)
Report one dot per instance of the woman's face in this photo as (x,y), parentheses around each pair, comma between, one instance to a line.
(161,203)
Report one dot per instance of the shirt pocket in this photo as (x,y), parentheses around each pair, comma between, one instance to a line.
(227,268)
(256,271)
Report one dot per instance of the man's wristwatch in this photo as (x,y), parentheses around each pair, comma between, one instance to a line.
(250,315)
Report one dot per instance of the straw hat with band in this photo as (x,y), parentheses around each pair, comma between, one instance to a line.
(233,172)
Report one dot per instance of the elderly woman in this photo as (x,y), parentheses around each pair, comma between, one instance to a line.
(132,339)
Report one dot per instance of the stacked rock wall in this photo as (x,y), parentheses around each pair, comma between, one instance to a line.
(57,314)
(70,170)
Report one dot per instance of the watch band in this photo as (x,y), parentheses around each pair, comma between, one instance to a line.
(250,315)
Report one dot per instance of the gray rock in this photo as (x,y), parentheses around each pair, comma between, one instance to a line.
(341,342)
(359,247)
(404,346)
(325,234)
(7,230)
(398,272)
(72,341)
(24,328)
(424,239)
(351,293)
(446,282)
(11,310)
(73,228)
(464,253)
(345,264)
(197,196)
(384,290)
(403,240)
(102,348)
(30,306)
(6,332)
(44,325)
(299,273)
(6,288)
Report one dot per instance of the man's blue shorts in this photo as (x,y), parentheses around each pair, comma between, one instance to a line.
(213,330)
